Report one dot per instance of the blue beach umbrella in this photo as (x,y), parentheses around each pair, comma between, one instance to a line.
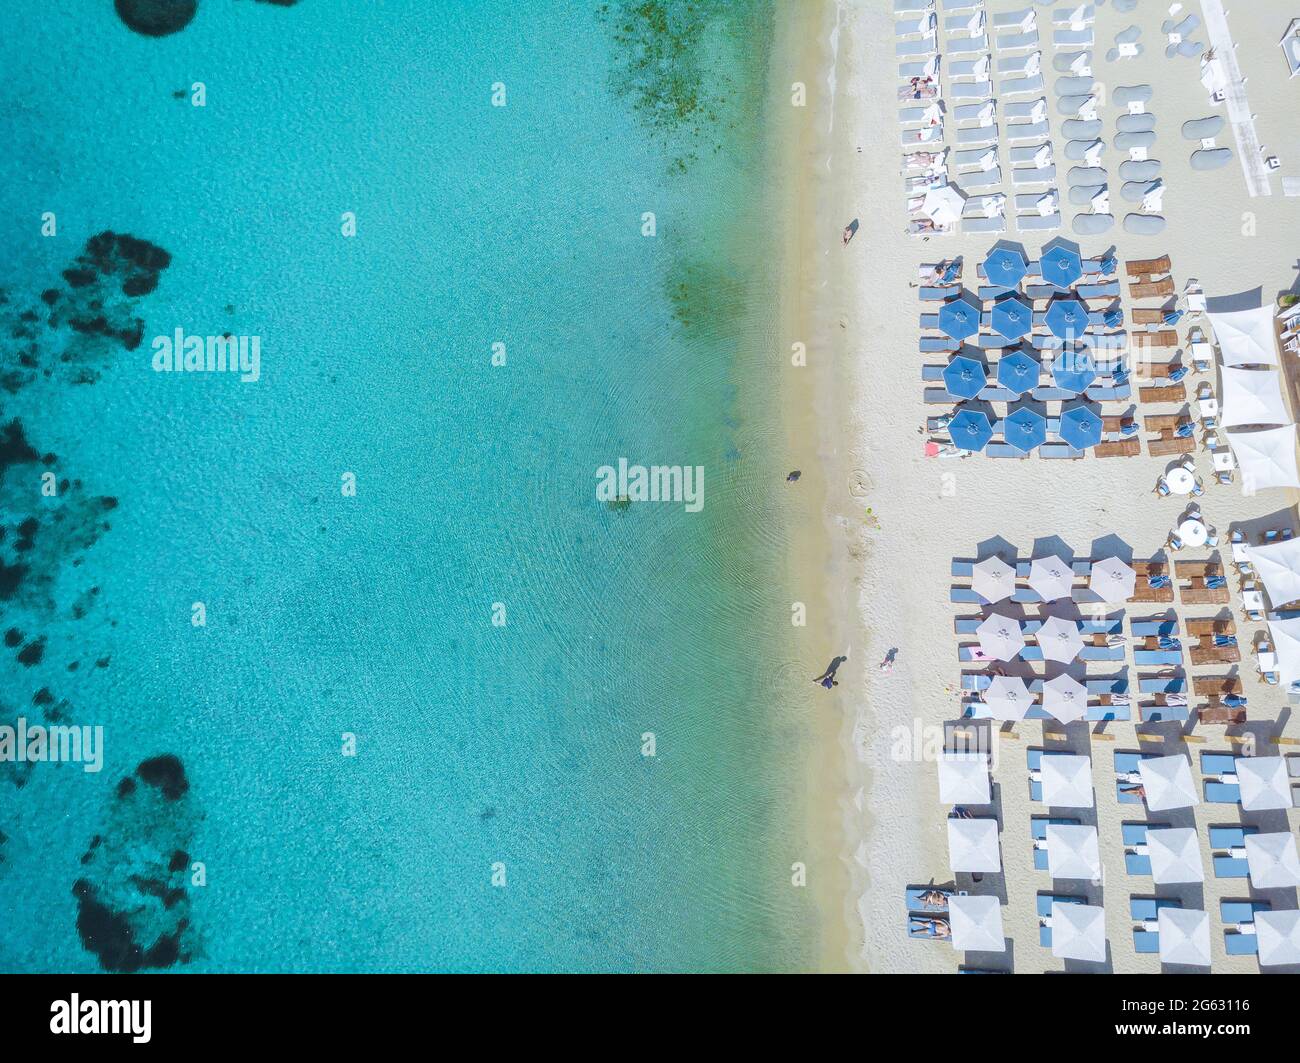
(964,377)
(960,317)
(970,430)
(1025,429)
(1061,265)
(1074,370)
(1011,317)
(1080,427)
(1067,318)
(1018,372)
(1005,267)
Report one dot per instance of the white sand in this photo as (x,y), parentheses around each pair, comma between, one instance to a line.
(896,827)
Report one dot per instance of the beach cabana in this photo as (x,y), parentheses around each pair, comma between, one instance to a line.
(1067,781)
(970,429)
(964,377)
(1025,429)
(943,205)
(1018,372)
(1005,267)
(1168,782)
(1267,458)
(1066,318)
(1246,337)
(1175,854)
(1080,427)
(1286,643)
(1264,783)
(1184,936)
(1051,577)
(1278,565)
(1060,639)
(1011,317)
(1065,698)
(1008,698)
(964,779)
(1112,580)
(973,845)
(1079,932)
(1074,370)
(976,924)
(1072,851)
(993,579)
(1061,265)
(1001,637)
(1252,396)
(960,317)
(1278,934)
(1272,859)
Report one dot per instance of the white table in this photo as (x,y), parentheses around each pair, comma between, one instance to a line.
(1193,532)
(1268,662)
(1239,553)
(1180,481)
(1223,461)
(1209,407)
(1253,601)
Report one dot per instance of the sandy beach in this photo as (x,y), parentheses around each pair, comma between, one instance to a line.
(889,570)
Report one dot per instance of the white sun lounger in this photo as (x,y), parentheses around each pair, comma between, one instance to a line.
(1018,64)
(920,46)
(928,68)
(970,68)
(985,113)
(1026,108)
(967,45)
(1073,38)
(1011,18)
(911,7)
(963,5)
(1026,154)
(1037,222)
(927,26)
(970,90)
(963,23)
(984,225)
(1012,42)
(1029,202)
(1028,130)
(1018,86)
(912,115)
(978,134)
(1033,175)
(1068,16)
(973,157)
(978,206)
(927,135)
(978,179)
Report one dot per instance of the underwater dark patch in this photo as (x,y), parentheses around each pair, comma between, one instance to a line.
(156,18)
(166,774)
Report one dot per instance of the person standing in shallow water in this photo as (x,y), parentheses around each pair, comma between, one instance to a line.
(827,678)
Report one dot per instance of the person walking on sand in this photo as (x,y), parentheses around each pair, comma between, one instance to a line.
(850,231)
(827,678)
(887,665)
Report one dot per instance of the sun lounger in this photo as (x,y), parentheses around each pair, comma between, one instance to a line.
(1066,16)
(912,899)
(1021,64)
(1218,764)
(974,157)
(967,45)
(1038,832)
(969,90)
(976,112)
(920,46)
(925,927)
(1166,393)
(1073,38)
(927,25)
(926,135)
(1134,835)
(977,134)
(1024,109)
(930,293)
(938,345)
(1038,222)
(1148,267)
(925,68)
(1005,19)
(1044,908)
(1121,448)
(1108,290)
(1161,289)
(1021,131)
(1033,175)
(1020,86)
(1157,658)
(980,179)
(908,7)
(1010,42)
(916,115)
(1225,840)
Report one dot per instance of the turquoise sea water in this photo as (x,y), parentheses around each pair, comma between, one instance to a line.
(327,615)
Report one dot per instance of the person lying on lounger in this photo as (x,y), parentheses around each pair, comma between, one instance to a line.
(1137,790)
(938,928)
(933,898)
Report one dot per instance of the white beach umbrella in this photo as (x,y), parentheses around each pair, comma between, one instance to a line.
(1267,458)
(1072,851)
(993,579)
(1168,782)
(1278,565)
(1065,698)
(1067,780)
(943,205)
(1246,337)
(1078,932)
(1000,637)
(1252,396)
(964,778)
(1008,698)
(976,924)
(1273,861)
(1184,936)
(1286,642)
(1175,854)
(973,845)
(1112,580)
(1059,639)
(1278,934)
(1264,783)
(1051,577)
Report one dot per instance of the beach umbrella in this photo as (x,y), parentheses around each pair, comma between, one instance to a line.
(1011,317)
(1061,265)
(993,579)
(1080,427)
(1008,698)
(1078,932)
(1273,861)
(970,429)
(1025,429)
(1000,637)
(964,377)
(1066,318)
(1112,580)
(964,779)
(1074,370)
(1175,854)
(1278,565)
(1184,936)
(1167,782)
(973,845)
(1018,372)
(1279,937)
(1264,783)
(1059,639)
(1065,698)
(960,317)
(976,924)
(1286,643)
(943,205)
(1072,851)
(1005,267)
(1051,577)
(1066,780)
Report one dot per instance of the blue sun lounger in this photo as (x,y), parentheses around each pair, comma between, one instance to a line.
(917,929)
(913,894)
(1157,658)
(1154,628)
(1162,685)
(1235,913)
(1038,832)
(1220,793)
(1044,907)
(1227,839)
(1133,835)
(1164,713)
(1126,763)
(930,293)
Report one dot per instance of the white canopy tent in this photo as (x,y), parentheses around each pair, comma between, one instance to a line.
(1267,458)
(1168,782)
(1252,396)
(1000,637)
(1264,783)
(1078,932)
(1008,698)
(943,205)
(1059,639)
(1051,577)
(1278,565)
(1065,698)
(1175,854)
(993,579)
(1072,851)
(973,845)
(1273,860)
(964,779)
(1246,337)
(1067,780)
(976,924)
(1184,936)
(1112,580)
(1279,937)
(1286,643)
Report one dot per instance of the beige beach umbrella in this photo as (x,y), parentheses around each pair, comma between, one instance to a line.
(973,845)
(1184,936)
(976,924)
(1008,698)
(1051,577)
(993,579)
(1167,782)
(1072,851)
(1273,861)
(1279,937)
(1175,854)
(1067,780)
(964,779)
(1264,783)
(1000,637)
(1078,932)
(1112,580)
(1065,698)
(1059,639)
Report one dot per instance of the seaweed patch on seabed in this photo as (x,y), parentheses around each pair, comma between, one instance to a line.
(133,900)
